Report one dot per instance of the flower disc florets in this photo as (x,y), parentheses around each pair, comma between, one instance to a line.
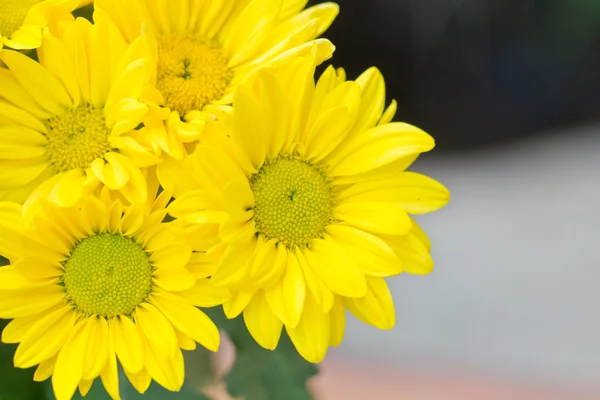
(293,201)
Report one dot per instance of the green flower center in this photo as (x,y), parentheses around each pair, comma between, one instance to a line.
(191,72)
(76,138)
(107,274)
(293,201)
(12,14)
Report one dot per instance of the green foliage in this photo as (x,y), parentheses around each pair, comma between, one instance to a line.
(260,374)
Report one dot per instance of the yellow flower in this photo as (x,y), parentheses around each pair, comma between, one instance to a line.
(206,48)
(22,21)
(68,123)
(97,282)
(308,190)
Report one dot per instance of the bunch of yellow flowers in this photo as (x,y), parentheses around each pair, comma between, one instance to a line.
(179,154)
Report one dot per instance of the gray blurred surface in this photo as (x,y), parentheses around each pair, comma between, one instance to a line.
(515,289)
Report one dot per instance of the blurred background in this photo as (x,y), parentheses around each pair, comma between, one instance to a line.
(510,90)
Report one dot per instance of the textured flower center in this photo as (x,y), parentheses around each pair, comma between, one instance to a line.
(107,274)
(12,14)
(293,201)
(191,72)
(76,138)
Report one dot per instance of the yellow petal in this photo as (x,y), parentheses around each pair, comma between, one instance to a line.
(327,132)
(190,320)
(388,171)
(70,188)
(97,214)
(115,173)
(238,200)
(110,374)
(286,297)
(268,262)
(252,27)
(140,381)
(323,14)
(16,329)
(126,115)
(157,329)
(133,150)
(174,279)
(337,318)
(38,268)
(167,371)
(128,345)
(412,252)
(68,370)
(45,369)
(174,257)
(388,114)
(233,266)
(12,91)
(247,132)
(420,234)
(184,341)
(49,92)
(333,117)
(11,227)
(205,294)
(262,323)
(17,173)
(379,146)
(276,113)
(335,269)
(11,115)
(129,83)
(238,302)
(85,386)
(59,60)
(321,293)
(189,203)
(377,217)
(377,307)
(22,303)
(202,265)
(290,8)
(131,221)
(237,232)
(373,98)
(311,336)
(45,338)
(371,253)
(416,193)
(95,357)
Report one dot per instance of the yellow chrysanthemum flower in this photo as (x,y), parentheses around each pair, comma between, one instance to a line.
(68,122)
(308,190)
(96,282)
(22,21)
(204,49)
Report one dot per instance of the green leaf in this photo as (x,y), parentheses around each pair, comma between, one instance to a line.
(260,374)
(3,261)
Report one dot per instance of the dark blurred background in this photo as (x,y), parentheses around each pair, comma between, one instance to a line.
(478,72)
